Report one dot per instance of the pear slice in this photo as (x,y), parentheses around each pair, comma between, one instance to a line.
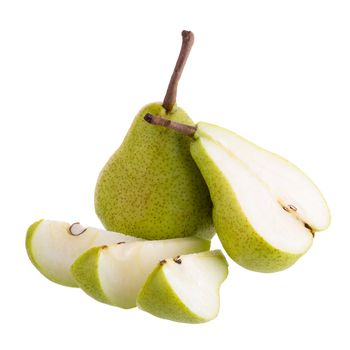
(265,209)
(186,288)
(289,185)
(53,246)
(114,274)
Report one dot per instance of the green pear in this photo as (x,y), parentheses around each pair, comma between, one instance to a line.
(266,210)
(151,187)
(185,289)
(53,246)
(114,274)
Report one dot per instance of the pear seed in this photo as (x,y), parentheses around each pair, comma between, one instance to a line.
(76,229)
(293,207)
(309,228)
(177,260)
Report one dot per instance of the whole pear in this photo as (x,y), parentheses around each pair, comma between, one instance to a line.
(151,187)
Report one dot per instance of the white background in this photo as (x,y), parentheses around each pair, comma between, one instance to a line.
(73,74)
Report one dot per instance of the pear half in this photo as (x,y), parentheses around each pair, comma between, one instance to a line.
(114,274)
(53,246)
(265,209)
(186,288)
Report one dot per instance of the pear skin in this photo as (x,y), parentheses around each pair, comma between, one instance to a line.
(151,187)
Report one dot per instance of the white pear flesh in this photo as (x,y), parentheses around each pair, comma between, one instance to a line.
(265,209)
(186,289)
(287,182)
(53,246)
(114,274)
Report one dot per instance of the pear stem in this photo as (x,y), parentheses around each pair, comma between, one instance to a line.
(184,129)
(170,96)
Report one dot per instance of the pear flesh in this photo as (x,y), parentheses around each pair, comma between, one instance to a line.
(185,289)
(53,246)
(265,209)
(151,187)
(114,274)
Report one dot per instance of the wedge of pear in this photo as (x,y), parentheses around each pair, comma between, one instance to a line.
(151,187)
(114,274)
(186,288)
(266,210)
(53,246)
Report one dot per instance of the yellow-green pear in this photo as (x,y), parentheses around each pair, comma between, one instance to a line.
(53,246)
(114,274)
(151,187)
(185,288)
(266,210)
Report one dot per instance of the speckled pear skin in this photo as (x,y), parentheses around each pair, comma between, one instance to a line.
(151,187)
(168,305)
(30,232)
(86,280)
(240,240)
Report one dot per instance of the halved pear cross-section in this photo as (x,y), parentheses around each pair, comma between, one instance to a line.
(186,288)
(288,184)
(53,246)
(265,209)
(114,274)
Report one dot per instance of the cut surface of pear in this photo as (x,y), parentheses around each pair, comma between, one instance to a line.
(185,289)
(114,274)
(53,246)
(265,209)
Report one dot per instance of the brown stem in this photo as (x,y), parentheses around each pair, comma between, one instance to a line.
(170,96)
(184,129)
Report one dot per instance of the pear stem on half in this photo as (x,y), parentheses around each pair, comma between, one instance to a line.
(170,96)
(184,129)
